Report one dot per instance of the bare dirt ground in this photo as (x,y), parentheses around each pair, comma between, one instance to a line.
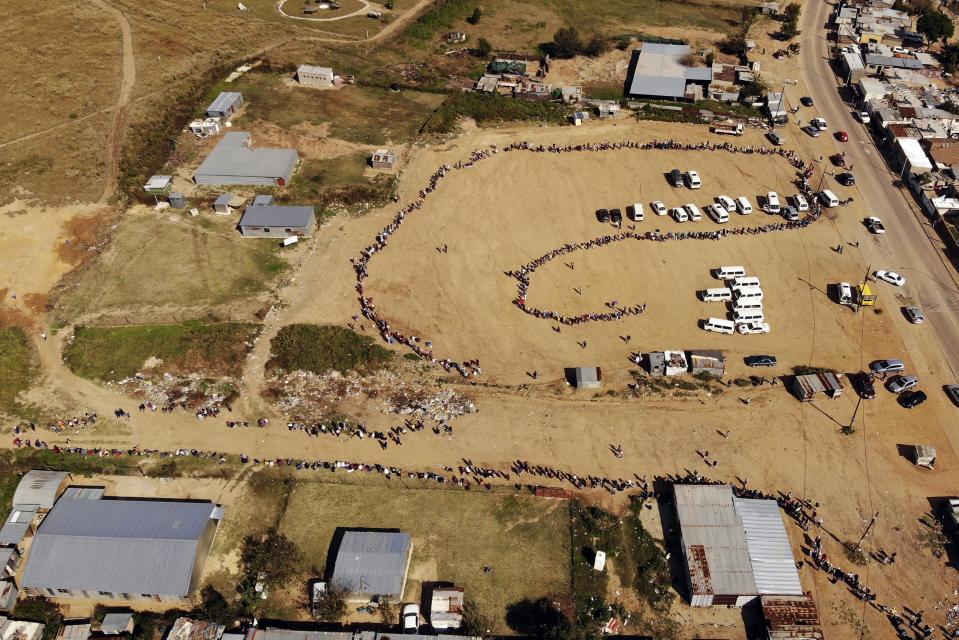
(523,204)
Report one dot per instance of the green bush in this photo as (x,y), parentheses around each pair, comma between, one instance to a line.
(742,382)
(321,348)
(40,609)
(442,16)
(490,108)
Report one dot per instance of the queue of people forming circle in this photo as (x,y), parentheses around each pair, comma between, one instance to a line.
(466,369)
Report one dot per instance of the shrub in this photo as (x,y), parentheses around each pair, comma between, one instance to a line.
(442,16)
(320,348)
(488,108)
(39,609)
(742,382)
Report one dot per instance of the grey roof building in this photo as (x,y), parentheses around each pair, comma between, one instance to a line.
(659,71)
(735,549)
(373,563)
(40,489)
(225,104)
(276,221)
(116,623)
(120,549)
(17,526)
(584,377)
(235,161)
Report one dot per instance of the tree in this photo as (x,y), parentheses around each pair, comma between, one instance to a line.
(39,609)
(567,43)
(483,48)
(213,606)
(792,12)
(331,604)
(734,45)
(597,46)
(790,28)
(269,560)
(935,26)
(476,16)
(539,619)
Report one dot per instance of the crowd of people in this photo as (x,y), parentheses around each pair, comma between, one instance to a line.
(394,435)
(425,350)
(58,426)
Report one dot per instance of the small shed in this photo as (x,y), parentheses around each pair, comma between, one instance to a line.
(310,75)
(446,608)
(19,523)
(456,37)
(924,455)
(116,623)
(225,105)
(262,200)
(74,630)
(39,489)
(274,221)
(205,127)
(383,159)
(158,185)
(805,387)
(9,560)
(227,203)
(9,594)
(791,618)
(707,361)
(585,377)
(177,200)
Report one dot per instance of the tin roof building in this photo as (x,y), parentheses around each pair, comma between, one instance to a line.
(39,489)
(735,549)
(120,549)
(235,161)
(276,221)
(661,71)
(373,563)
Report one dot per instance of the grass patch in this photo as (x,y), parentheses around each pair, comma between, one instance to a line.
(114,353)
(532,537)
(339,181)
(589,16)
(18,366)
(322,348)
(490,109)
(443,15)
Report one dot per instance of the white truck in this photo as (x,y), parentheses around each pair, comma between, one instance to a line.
(729,129)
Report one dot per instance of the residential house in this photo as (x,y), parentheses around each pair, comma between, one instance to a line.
(663,71)
(225,105)
(275,221)
(383,159)
(312,76)
(234,161)
(372,564)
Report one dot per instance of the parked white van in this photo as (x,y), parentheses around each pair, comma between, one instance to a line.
(772,202)
(828,198)
(800,202)
(679,214)
(745,281)
(727,203)
(719,325)
(747,293)
(728,273)
(694,213)
(747,306)
(750,315)
(845,293)
(693,181)
(718,213)
(636,212)
(744,206)
(719,294)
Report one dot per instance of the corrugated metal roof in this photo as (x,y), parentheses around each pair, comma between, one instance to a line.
(114,623)
(74,631)
(125,546)
(224,199)
(84,493)
(876,60)
(771,556)
(5,554)
(714,540)
(224,101)
(372,562)
(38,488)
(277,216)
(320,71)
(235,160)
(17,525)
(660,71)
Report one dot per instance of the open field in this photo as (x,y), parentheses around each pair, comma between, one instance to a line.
(524,540)
(178,267)
(18,366)
(114,353)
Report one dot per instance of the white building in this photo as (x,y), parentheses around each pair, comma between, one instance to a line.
(312,76)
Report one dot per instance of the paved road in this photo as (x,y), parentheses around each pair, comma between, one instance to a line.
(912,247)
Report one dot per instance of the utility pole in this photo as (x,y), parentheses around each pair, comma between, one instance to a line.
(866,532)
(823,178)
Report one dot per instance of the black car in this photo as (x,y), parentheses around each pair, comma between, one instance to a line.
(912,399)
(862,383)
(846,179)
(615,215)
(806,101)
(760,361)
(602,215)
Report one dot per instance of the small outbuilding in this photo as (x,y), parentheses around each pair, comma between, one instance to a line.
(584,377)
(159,185)
(383,159)
(177,200)
(708,361)
(446,608)
(791,618)
(924,455)
(9,561)
(372,564)
(309,75)
(74,630)
(227,203)
(117,623)
(205,127)
(18,524)
(275,221)
(805,387)
(9,594)
(225,105)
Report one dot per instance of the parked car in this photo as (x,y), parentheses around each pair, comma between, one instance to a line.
(615,215)
(842,136)
(760,361)
(694,213)
(819,123)
(748,328)
(846,179)
(862,383)
(602,215)
(864,117)
(727,203)
(902,383)
(775,138)
(845,293)
(875,225)
(790,213)
(658,208)
(912,399)
(812,131)
(806,101)
(692,180)
(676,178)
(411,617)
(890,365)
(679,214)
(914,315)
(891,277)
(952,390)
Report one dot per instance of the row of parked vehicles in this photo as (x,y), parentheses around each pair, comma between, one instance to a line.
(902,385)
(745,296)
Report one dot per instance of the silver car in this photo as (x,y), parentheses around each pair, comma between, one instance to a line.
(903,383)
(915,315)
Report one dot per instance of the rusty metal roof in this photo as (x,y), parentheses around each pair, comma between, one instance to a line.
(791,618)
